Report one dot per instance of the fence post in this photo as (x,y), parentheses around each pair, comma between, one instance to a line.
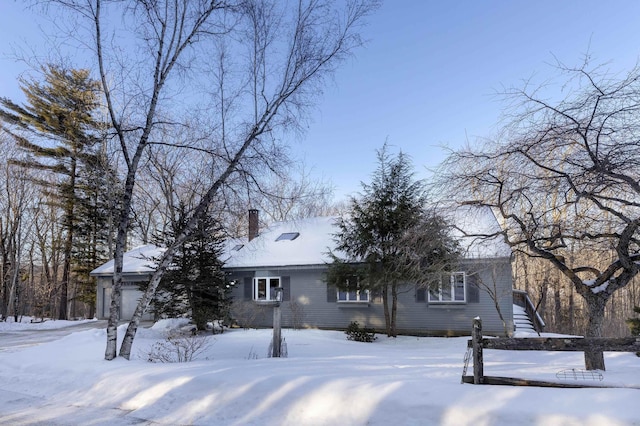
(277,326)
(476,339)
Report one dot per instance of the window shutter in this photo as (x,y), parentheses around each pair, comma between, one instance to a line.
(285,283)
(473,292)
(332,294)
(248,288)
(421,294)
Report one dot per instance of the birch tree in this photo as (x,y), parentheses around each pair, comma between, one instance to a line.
(565,177)
(259,64)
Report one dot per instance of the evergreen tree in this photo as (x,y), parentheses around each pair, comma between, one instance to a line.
(195,284)
(58,130)
(389,238)
(96,218)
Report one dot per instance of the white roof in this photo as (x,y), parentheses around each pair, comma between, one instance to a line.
(313,242)
(310,247)
(140,260)
(477,229)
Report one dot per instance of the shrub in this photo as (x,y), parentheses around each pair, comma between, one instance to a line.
(358,334)
(178,347)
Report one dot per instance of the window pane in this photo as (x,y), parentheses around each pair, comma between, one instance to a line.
(459,287)
(364,296)
(434,295)
(273,284)
(342,295)
(446,290)
(261,289)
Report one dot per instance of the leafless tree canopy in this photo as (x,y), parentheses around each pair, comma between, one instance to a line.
(563,177)
(246,71)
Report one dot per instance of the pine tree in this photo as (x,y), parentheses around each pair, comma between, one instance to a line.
(195,283)
(390,238)
(96,216)
(58,131)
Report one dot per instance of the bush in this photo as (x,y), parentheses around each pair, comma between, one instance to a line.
(178,347)
(358,334)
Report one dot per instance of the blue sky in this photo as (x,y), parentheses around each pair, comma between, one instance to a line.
(428,76)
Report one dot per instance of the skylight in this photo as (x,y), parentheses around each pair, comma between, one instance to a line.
(290,236)
(237,247)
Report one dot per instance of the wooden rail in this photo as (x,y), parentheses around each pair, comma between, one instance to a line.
(478,343)
(521,298)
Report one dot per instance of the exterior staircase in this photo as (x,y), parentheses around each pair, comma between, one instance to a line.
(525,317)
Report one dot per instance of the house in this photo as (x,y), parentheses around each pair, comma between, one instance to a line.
(293,256)
(137,267)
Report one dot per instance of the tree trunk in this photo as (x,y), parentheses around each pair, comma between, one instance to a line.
(385,308)
(143,303)
(557,303)
(594,359)
(394,309)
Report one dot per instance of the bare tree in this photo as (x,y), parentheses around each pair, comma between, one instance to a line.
(17,199)
(565,178)
(269,61)
(497,292)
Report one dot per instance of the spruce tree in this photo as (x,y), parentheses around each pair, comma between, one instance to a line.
(195,284)
(58,130)
(390,238)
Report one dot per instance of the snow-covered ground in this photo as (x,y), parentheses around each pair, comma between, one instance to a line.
(325,380)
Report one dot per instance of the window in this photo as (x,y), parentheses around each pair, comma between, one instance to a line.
(264,288)
(352,292)
(288,236)
(451,289)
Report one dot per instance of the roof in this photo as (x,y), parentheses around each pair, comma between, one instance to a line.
(477,230)
(278,245)
(307,242)
(140,260)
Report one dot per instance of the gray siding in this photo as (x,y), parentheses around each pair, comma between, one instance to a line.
(129,297)
(309,291)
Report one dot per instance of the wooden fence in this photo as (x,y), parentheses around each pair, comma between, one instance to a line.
(478,343)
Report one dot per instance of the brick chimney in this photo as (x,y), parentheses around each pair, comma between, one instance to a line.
(253,224)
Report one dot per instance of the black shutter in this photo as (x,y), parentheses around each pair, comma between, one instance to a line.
(285,283)
(473,292)
(332,295)
(421,294)
(248,288)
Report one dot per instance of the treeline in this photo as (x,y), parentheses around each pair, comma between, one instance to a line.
(56,219)
(61,182)
(562,308)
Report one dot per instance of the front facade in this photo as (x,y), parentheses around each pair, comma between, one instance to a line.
(291,258)
(138,265)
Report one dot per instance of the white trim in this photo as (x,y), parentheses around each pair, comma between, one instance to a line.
(360,296)
(450,297)
(268,288)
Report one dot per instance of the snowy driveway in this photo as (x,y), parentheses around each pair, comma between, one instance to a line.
(12,340)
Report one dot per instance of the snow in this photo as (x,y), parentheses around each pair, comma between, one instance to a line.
(474,226)
(29,323)
(141,260)
(316,239)
(310,248)
(326,380)
(598,289)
